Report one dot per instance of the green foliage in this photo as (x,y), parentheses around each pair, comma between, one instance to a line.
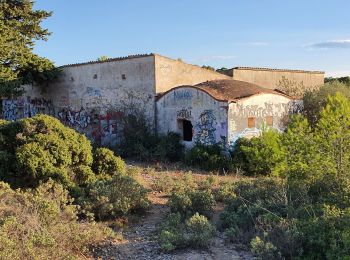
(36,149)
(191,201)
(207,157)
(106,163)
(42,223)
(142,144)
(114,197)
(262,249)
(200,231)
(315,100)
(261,155)
(175,233)
(20,29)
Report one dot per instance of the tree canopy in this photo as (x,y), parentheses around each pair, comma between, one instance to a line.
(20,28)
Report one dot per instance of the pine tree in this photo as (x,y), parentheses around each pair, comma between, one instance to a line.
(19,29)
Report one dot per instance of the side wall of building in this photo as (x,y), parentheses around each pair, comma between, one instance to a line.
(271,78)
(207,115)
(93,98)
(172,73)
(248,116)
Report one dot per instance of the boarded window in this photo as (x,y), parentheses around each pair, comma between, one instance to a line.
(123,76)
(251,122)
(269,120)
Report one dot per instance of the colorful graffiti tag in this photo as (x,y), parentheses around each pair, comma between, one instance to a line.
(182,95)
(25,107)
(105,130)
(205,128)
(74,118)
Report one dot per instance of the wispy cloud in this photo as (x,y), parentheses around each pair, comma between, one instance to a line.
(335,44)
(212,58)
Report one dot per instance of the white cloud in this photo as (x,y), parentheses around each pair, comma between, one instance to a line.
(258,43)
(335,44)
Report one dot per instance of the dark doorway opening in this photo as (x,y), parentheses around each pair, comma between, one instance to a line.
(187,130)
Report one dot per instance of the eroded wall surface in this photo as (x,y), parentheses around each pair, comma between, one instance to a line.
(260,107)
(207,115)
(271,78)
(172,73)
(94,98)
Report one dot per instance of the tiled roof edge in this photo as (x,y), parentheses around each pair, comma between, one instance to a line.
(108,60)
(281,70)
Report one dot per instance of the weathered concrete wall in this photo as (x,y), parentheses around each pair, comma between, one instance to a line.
(172,73)
(92,98)
(259,107)
(271,78)
(207,115)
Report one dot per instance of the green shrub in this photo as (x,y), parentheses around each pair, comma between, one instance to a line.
(42,224)
(33,150)
(172,233)
(263,155)
(114,197)
(106,163)
(200,231)
(177,233)
(208,158)
(262,249)
(139,142)
(190,202)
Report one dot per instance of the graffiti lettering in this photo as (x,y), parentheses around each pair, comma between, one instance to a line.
(74,118)
(182,95)
(184,113)
(205,128)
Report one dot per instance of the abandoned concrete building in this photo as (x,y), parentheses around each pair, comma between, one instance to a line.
(200,104)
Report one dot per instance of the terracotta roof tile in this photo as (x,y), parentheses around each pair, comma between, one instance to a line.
(281,70)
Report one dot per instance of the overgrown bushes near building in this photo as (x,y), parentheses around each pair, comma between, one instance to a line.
(208,157)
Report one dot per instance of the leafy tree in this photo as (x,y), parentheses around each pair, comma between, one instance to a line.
(19,29)
(333,133)
(293,88)
(103,58)
(315,101)
(344,80)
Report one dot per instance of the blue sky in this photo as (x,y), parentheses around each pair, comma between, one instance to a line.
(293,34)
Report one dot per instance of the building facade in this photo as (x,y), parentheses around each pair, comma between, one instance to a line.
(93,97)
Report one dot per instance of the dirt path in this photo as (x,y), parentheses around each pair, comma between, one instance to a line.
(139,242)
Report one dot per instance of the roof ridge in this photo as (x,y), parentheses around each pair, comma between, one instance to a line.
(108,60)
(275,69)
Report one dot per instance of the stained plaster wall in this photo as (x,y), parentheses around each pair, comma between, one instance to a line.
(259,107)
(172,73)
(207,115)
(93,98)
(271,78)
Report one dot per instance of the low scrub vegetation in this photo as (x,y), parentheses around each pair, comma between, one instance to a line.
(43,223)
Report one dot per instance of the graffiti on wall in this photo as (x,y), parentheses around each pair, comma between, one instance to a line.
(205,128)
(105,130)
(184,113)
(25,107)
(268,109)
(75,118)
(182,95)
(9,109)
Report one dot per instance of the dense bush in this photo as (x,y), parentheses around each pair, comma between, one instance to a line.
(141,143)
(114,197)
(42,224)
(208,157)
(39,148)
(261,155)
(175,233)
(106,163)
(191,201)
